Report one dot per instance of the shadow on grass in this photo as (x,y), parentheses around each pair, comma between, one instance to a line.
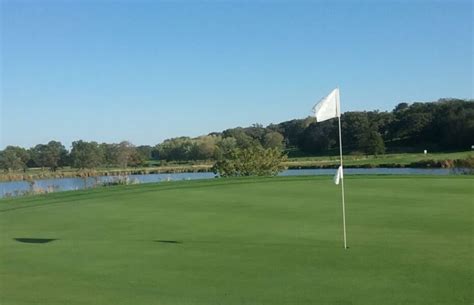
(168,241)
(35,240)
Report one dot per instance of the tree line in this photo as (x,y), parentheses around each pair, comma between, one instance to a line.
(83,155)
(447,124)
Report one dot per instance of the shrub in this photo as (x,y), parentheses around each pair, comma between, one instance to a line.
(253,161)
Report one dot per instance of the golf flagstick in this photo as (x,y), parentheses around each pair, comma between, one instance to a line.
(342,172)
(329,108)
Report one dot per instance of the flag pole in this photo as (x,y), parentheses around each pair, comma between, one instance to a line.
(342,176)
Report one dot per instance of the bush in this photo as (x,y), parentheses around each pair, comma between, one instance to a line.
(253,161)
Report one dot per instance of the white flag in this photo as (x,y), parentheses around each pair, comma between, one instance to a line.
(328,107)
(339,175)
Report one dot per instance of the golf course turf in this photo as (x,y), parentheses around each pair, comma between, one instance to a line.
(242,241)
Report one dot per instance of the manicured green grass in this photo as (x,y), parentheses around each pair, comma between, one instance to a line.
(243,241)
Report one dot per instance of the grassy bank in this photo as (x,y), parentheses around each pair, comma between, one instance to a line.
(242,241)
(388,160)
(436,160)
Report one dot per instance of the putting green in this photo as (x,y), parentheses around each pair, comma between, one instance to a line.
(242,241)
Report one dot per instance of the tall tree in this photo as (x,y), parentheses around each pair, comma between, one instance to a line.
(13,158)
(293,130)
(319,138)
(225,146)
(372,143)
(125,150)
(355,127)
(204,148)
(242,138)
(145,151)
(109,153)
(86,155)
(273,139)
(175,149)
(51,155)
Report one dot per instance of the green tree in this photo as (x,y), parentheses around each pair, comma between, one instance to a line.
(373,143)
(256,132)
(122,155)
(273,139)
(381,121)
(86,155)
(412,124)
(125,150)
(319,137)
(355,128)
(243,140)
(293,130)
(225,146)
(135,158)
(14,158)
(453,124)
(145,152)
(204,148)
(51,155)
(109,153)
(175,149)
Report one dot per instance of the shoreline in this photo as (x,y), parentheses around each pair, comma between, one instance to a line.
(207,168)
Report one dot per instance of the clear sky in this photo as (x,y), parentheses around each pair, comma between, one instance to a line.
(145,71)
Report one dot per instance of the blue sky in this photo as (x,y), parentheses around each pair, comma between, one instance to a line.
(145,71)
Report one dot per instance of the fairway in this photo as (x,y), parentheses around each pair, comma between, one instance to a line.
(242,241)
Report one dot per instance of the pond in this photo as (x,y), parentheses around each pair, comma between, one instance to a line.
(15,188)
